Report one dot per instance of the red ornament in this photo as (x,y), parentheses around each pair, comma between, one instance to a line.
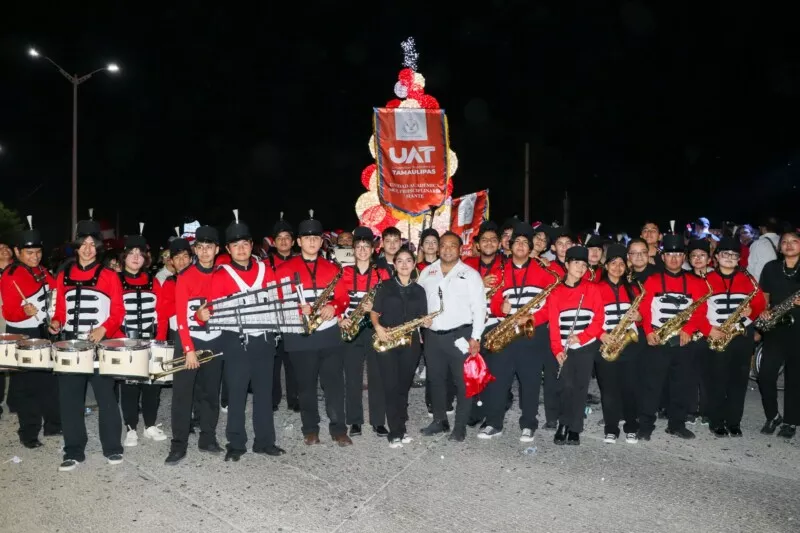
(476,375)
(366,174)
(391,104)
(372,216)
(449,187)
(406,77)
(427,101)
(414,94)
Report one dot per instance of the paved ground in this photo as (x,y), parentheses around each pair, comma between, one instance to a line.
(666,485)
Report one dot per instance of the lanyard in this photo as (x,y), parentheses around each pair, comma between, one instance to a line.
(313,274)
(518,292)
(728,289)
(357,273)
(615,290)
(488,267)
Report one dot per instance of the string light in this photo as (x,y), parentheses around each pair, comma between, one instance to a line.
(410,54)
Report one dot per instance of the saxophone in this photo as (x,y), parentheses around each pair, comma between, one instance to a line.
(778,315)
(358,318)
(314,321)
(508,330)
(733,324)
(401,335)
(673,326)
(491,292)
(622,335)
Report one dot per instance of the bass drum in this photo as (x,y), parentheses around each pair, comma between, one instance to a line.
(755,366)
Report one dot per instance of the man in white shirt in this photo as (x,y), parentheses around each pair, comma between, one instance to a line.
(462,320)
(765,248)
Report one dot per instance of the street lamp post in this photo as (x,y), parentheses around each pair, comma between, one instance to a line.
(75,80)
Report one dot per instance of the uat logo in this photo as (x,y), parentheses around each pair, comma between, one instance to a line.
(417,154)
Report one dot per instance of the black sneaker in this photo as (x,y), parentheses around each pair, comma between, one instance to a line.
(787,431)
(719,431)
(560,436)
(550,425)
(68,465)
(355,430)
(573,438)
(472,422)
(681,432)
(114,459)
(458,434)
(434,428)
(273,450)
(234,455)
(380,431)
(691,419)
(214,448)
(735,431)
(771,425)
(175,457)
(644,434)
(35,443)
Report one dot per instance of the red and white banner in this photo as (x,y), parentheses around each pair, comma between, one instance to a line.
(467,213)
(411,147)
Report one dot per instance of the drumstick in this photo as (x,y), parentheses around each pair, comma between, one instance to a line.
(20,292)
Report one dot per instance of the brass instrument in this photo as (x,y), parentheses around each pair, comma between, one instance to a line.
(779,314)
(673,326)
(358,318)
(401,335)
(733,324)
(509,330)
(622,334)
(313,320)
(491,292)
(181,361)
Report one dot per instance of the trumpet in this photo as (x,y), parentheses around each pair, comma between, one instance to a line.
(203,356)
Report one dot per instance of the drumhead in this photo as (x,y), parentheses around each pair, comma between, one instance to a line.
(123,344)
(34,343)
(11,338)
(73,346)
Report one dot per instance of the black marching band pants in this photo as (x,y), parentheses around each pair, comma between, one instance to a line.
(323,365)
(781,347)
(35,396)
(248,364)
(444,360)
(355,354)
(574,386)
(205,395)
(619,388)
(726,378)
(397,369)
(674,365)
(150,395)
(282,359)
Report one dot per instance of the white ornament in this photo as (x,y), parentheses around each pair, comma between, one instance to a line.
(400,90)
(410,103)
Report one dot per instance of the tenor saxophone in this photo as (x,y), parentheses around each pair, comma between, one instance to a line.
(622,334)
(673,326)
(733,324)
(509,330)
(313,321)
(401,335)
(358,318)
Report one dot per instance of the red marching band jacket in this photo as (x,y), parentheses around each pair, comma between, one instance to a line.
(34,284)
(495,267)
(590,276)
(232,278)
(520,285)
(616,301)
(354,285)
(667,295)
(274,260)
(165,308)
(140,295)
(89,298)
(563,305)
(729,293)
(193,288)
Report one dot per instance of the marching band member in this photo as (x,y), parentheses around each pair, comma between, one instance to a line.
(283,235)
(192,290)
(728,371)
(576,308)
(505,235)
(699,251)
(140,295)
(248,360)
(699,257)
(397,301)
(541,241)
(638,260)
(652,235)
(391,240)
(180,257)
(358,280)
(780,279)
(463,318)
(526,358)
(24,289)
(6,257)
(595,247)
(88,305)
(670,291)
(318,356)
(562,241)
(430,248)
(618,380)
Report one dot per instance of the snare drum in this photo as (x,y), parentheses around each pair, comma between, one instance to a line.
(124,359)
(8,349)
(73,357)
(35,354)
(161,352)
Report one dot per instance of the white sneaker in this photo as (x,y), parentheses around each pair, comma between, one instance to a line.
(155,433)
(610,438)
(488,432)
(631,438)
(68,465)
(114,459)
(395,443)
(131,438)
(223,409)
(527,435)
(451,412)
(406,439)
(422,374)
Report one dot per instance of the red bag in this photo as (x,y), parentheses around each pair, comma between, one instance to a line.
(476,375)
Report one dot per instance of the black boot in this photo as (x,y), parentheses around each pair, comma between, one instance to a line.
(573,438)
(561,435)
(434,428)
(787,431)
(771,425)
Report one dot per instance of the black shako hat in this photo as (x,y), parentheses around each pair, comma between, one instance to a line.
(206,234)
(699,244)
(729,244)
(363,233)
(89,228)
(136,241)
(616,251)
(310,227)
(179,245)
(281,226)
(672,243)
(578,253)
(236,231)
(29,238)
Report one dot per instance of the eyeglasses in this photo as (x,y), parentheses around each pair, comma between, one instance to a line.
(364,247)
(729,255)
(637,254)
(673,254)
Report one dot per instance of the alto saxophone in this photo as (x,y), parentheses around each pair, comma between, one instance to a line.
(733,324)
(509,330)
(401,335)
(491,292)
(358,318)
(779,314)
(313,321)
(673,326)
(622,334)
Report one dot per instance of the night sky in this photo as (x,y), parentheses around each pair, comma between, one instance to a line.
(674,111)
